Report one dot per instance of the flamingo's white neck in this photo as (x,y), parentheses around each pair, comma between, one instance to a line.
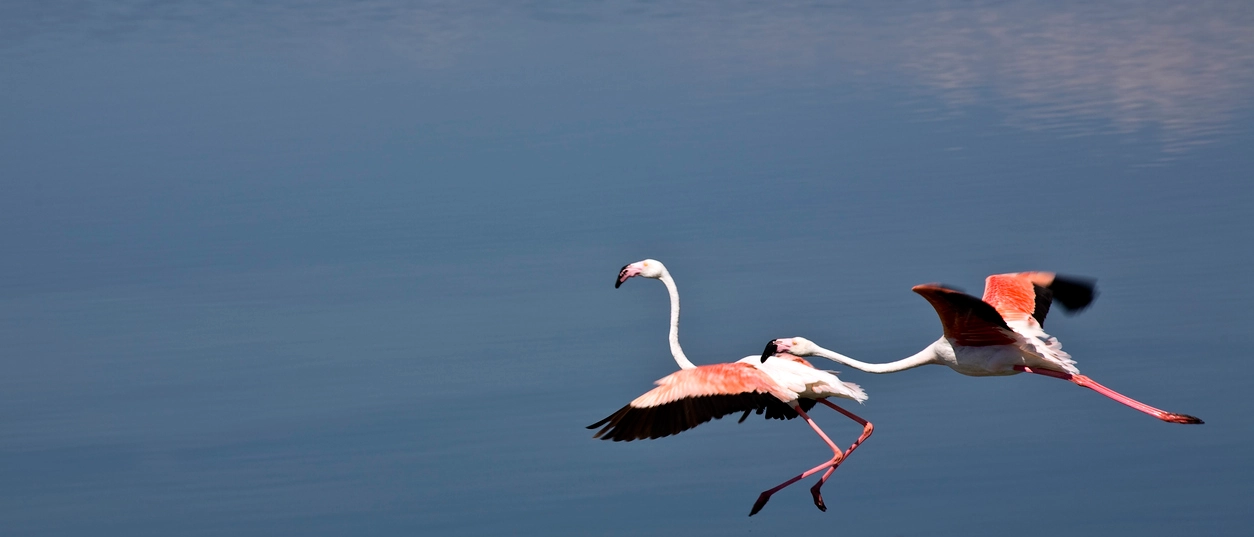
(676,350)
(923,357)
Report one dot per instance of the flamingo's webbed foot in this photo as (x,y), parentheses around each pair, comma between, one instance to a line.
(818,497)
(758,505)
(1182,418)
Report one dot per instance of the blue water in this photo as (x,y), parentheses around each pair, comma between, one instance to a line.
(311,268)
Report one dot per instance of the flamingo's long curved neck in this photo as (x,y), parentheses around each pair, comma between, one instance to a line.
(676,350)
(924,357)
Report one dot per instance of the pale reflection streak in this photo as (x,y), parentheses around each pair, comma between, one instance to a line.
(1182,73)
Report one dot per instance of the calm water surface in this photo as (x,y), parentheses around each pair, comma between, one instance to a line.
(312,268)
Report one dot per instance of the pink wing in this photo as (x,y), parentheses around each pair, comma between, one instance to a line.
(1017,295)
(690,397)
(968,321)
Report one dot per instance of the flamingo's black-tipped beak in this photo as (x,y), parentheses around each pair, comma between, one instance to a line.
(771,350)
(627,272)
(622,276)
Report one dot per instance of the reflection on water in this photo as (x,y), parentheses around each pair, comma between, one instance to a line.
(1183,71)
(1180,72)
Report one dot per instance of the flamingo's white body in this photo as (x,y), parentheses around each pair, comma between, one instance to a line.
(1003,334)
(782,389)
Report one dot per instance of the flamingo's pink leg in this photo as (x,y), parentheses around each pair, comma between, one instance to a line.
(1081,380)
(867,429)
(837,455)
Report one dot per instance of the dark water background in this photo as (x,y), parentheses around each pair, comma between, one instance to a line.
(312,268)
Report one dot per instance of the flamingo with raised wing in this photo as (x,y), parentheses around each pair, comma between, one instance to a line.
(1003,334)
(780,389)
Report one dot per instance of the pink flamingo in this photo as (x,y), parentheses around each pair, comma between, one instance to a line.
(782,389)
(1000,335)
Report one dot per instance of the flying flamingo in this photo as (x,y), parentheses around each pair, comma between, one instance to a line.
(1000,335)
(782,389)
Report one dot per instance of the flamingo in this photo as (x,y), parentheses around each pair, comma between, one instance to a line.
(782,389)
(1000,335)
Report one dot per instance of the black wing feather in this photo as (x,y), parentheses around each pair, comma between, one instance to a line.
(1073,292)
(631,423)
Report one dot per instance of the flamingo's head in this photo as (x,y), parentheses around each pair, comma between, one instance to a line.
(649,268)
(796,346)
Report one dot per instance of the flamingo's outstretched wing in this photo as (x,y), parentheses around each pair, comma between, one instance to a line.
(972,322)
(968,321)
(690,397)
(1017,295)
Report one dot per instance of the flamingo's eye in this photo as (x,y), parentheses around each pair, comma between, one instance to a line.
(645,264)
